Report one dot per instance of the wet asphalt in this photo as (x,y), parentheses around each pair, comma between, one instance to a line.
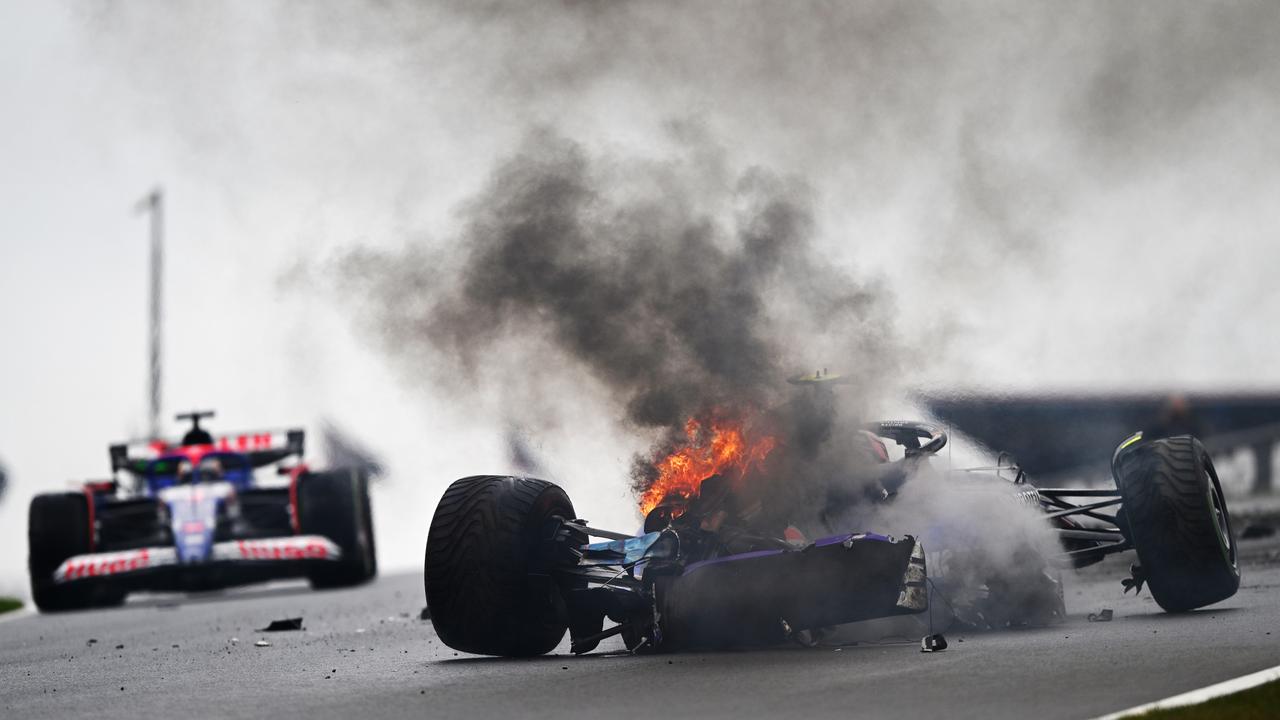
(364,653)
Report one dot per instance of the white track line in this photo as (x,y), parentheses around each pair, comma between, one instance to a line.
(1203,694)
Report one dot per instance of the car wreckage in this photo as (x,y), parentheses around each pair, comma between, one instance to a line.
(510,567)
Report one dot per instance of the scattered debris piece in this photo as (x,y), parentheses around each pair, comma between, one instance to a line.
(120,646)
(1137,577)
(425,614)
(359,630)
(262,643)
(933,643)
(1103,615)
(235,641)
(91,642)
(282,625)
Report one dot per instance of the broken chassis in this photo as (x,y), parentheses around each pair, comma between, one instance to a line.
(769,596)
(755,598)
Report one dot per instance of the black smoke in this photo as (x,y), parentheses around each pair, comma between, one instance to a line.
(682,287)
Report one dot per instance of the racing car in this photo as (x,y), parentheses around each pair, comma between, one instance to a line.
(509,567)
(193,515)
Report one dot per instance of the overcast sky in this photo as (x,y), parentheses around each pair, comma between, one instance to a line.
(1056,197)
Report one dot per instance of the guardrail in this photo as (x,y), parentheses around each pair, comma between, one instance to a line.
(1260,441)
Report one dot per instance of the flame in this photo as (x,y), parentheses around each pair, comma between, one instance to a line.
(723,449)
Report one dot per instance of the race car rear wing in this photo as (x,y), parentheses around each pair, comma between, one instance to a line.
(261,447)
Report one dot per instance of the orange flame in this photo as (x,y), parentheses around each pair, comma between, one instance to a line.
(723,450)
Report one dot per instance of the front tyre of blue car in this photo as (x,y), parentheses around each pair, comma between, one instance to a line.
(489,589)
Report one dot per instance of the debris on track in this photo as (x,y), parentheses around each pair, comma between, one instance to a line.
(282,625)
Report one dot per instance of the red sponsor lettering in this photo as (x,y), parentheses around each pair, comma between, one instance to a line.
(91,567)
(282,550)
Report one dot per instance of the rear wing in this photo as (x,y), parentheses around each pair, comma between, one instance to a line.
(261,447)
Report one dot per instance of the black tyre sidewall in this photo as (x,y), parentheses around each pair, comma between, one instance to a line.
(58,529)
(335,505)
(487,589)
(1167,486)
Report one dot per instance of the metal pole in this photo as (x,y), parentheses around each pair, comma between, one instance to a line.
(153,204)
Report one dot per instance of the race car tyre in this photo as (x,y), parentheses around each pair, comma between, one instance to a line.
(1177,520)
(488,587)
(335,504)
(57,529)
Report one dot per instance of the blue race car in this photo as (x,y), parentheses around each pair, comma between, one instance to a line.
(510,568)
(194,515)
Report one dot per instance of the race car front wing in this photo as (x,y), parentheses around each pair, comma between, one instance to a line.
(294,549)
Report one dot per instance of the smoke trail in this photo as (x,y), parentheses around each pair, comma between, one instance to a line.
(343,450)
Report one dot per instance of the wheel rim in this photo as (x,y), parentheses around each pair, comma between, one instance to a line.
(1220,519)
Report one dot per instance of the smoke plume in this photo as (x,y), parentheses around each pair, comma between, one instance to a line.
(683,288)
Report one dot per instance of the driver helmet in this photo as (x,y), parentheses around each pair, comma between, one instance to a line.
(210,469)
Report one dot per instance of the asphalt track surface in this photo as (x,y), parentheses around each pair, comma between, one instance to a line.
(364,653)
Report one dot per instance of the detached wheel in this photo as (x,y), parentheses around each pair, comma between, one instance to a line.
(58,529)
(489,589)
(1178,522)
(335,504)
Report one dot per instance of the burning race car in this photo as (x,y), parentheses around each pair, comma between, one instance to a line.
(509,567)
(193,516)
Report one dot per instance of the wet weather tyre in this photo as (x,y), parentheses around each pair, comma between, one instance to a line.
(488,587)
(1176,517)
(58,528)
(335,504)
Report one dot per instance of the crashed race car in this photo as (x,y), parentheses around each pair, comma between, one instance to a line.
(510,567)
(192,515)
